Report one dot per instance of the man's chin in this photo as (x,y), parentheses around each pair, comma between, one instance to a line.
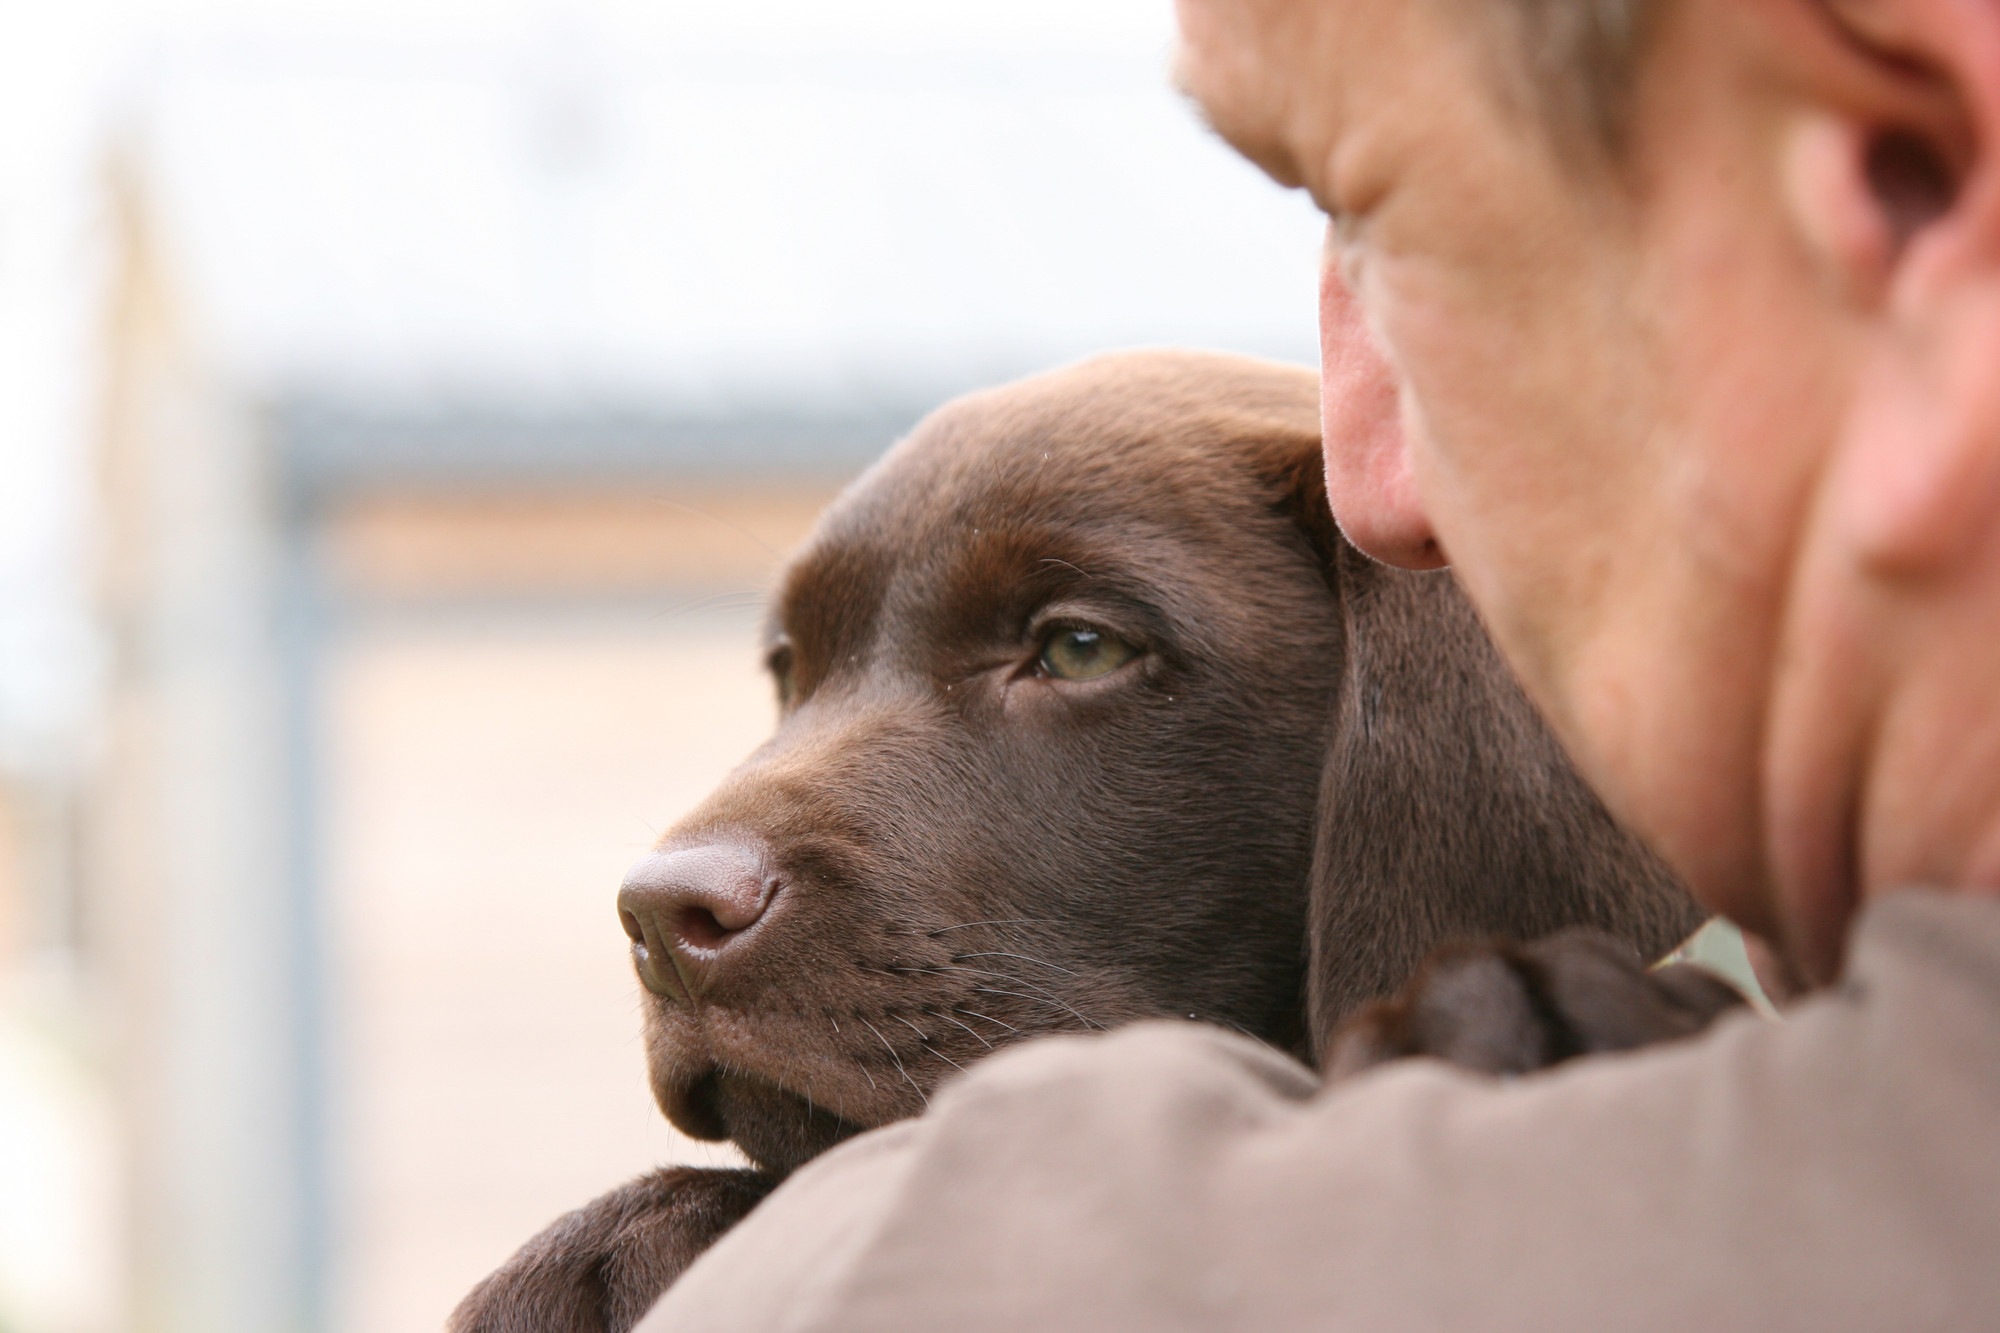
(776,1129)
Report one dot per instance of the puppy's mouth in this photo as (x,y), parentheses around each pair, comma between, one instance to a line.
(777,1130)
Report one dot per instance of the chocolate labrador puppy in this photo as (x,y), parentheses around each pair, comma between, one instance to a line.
(1088,714)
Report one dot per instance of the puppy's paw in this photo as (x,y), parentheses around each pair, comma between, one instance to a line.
(598,1269)
(1512,1008)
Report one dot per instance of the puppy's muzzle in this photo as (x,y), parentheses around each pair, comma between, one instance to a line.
(690,913)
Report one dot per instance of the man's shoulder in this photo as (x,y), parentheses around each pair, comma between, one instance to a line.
(1171,1176)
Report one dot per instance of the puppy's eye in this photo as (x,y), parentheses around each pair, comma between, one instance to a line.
(1079,654)
(780,665)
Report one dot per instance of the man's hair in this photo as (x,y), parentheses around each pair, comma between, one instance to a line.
(1576,58)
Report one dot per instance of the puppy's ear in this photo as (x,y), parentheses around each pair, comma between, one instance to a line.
(1298,473)
(1448,811)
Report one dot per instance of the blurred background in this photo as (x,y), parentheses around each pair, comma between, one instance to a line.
(403,404)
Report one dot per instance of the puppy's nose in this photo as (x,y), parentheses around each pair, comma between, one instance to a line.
(686,910)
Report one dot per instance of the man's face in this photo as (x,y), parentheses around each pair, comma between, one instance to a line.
(1611,372)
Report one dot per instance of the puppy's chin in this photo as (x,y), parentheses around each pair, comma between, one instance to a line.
(777,1130)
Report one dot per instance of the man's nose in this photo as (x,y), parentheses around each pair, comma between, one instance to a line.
(687,912)
(1368,478)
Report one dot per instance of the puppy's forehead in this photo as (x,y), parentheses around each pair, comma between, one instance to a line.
(1069,464)
(1120,433)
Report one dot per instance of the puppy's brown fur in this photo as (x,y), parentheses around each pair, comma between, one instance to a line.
(1313,770)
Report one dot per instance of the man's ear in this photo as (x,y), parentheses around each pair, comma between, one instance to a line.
(1895,180)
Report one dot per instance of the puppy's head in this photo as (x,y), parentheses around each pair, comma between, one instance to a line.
(1055,684)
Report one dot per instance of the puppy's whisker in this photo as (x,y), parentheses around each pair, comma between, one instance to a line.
(865,1074)
(736,528)
(895,1057)
(739,597)
(922,1035)
(1007,977)
(967,925)
(1052,560)
(996,953)
(947,1059)
(969,1028)
(1042,993)
(1042,999)
(970,1013)
(857,1064)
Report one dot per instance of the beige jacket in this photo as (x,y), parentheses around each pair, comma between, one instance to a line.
(1838,1170)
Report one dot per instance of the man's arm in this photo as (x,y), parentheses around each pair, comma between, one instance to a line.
(1834,1171)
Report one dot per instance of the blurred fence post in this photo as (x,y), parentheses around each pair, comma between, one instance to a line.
(200,887)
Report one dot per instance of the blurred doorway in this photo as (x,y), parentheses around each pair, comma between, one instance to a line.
(522,694)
